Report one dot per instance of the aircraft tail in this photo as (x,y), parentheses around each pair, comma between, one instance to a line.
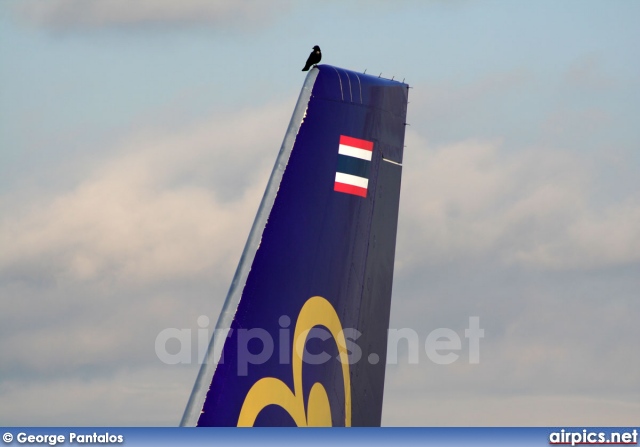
(302,337)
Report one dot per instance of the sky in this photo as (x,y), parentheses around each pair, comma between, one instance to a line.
(137,137)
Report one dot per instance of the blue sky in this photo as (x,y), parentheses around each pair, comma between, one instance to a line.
(136,139)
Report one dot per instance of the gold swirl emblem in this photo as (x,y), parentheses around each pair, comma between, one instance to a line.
(317,311)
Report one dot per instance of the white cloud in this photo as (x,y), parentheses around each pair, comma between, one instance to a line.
(142,397)
(558,351)
(147,240)
(168,206)
(521,238)
(413,409)
(88,14)
(529,207)
(594,239)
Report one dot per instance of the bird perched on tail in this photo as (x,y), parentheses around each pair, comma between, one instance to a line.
(313,59)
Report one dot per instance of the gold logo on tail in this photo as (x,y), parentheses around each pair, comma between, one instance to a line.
(317,311)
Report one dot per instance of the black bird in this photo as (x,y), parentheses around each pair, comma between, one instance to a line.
(314,58)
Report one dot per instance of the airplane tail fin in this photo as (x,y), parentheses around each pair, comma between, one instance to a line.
(302,336)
